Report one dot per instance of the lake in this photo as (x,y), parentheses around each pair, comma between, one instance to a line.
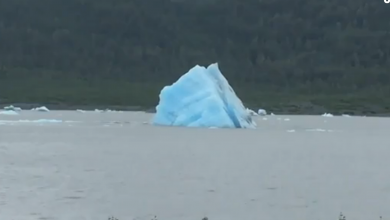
(69,165)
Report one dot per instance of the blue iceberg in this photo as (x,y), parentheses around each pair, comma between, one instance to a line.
(202,98)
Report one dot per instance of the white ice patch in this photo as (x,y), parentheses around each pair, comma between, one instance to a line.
(327,115)
(42,121)
(8,112)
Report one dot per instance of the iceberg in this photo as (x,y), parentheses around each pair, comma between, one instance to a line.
(202,97)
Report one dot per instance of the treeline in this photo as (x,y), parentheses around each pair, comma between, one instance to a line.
(123,47)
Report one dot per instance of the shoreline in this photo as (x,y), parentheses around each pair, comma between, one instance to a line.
(65,107)
(287,110)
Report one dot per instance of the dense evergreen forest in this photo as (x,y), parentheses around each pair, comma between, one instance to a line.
(278,54)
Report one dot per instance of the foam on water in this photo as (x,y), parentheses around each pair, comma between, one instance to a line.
(37,121)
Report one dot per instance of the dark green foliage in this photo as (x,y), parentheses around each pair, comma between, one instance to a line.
(123,51)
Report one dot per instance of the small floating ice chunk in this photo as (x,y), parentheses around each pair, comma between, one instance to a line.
(81,111)
(287,119)
(327,115)
(262,112)
(41,109)
(8,112)
(290,131)
(12,108)
(345,115)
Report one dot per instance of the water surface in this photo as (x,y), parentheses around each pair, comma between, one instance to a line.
(93,165)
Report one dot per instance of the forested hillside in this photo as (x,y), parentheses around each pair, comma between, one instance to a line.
(124,51)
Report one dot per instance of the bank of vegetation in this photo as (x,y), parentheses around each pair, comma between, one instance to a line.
(296,56)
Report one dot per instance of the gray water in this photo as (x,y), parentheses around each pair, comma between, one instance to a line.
(94,165)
